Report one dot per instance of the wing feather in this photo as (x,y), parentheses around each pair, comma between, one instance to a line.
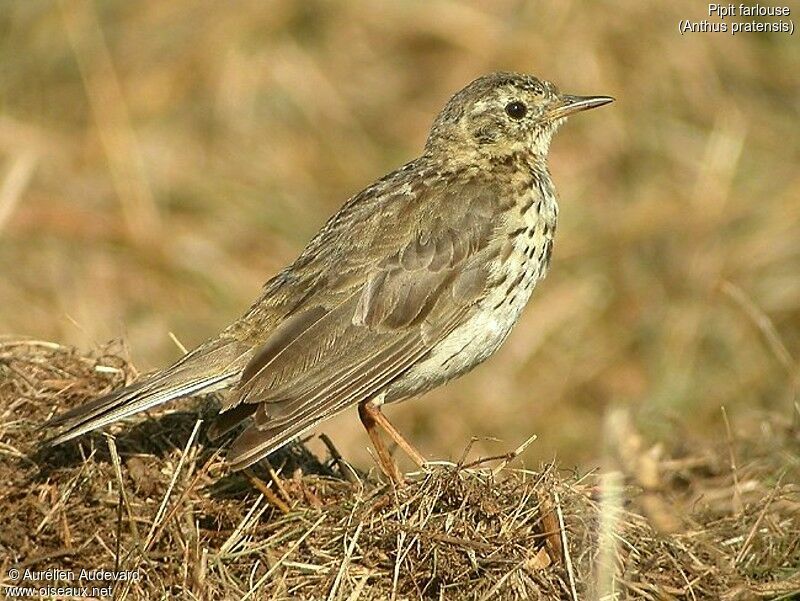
(269,433)
(384,317)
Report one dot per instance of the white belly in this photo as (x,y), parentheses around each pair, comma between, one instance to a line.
(477,339)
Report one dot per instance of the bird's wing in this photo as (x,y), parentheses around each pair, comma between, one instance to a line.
(392,297)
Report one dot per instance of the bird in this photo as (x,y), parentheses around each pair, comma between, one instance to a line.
(414,281)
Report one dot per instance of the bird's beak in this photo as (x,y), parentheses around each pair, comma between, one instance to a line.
(567,105)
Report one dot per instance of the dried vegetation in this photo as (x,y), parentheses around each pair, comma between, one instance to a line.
(696,521)
(159,160)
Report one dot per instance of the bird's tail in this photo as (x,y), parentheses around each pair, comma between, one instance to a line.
(208,367)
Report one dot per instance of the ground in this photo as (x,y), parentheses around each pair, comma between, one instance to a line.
(154,500)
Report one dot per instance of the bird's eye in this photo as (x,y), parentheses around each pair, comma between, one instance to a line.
(516,110)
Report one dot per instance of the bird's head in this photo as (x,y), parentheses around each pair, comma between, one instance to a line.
(504,113)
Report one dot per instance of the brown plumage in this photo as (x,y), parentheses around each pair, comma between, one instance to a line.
(414,281)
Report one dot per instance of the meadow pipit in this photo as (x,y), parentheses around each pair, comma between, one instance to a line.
(414,281)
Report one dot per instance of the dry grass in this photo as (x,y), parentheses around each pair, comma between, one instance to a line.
(160,160)
(665,524)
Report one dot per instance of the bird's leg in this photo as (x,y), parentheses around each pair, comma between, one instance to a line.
(371,416)
(395,435)
(389,467)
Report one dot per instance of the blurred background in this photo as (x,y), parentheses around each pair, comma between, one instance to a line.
(160,160)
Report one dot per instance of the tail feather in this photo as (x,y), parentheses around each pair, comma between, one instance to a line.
(204,369)
(230,419)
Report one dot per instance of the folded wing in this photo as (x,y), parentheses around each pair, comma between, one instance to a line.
(385,318)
